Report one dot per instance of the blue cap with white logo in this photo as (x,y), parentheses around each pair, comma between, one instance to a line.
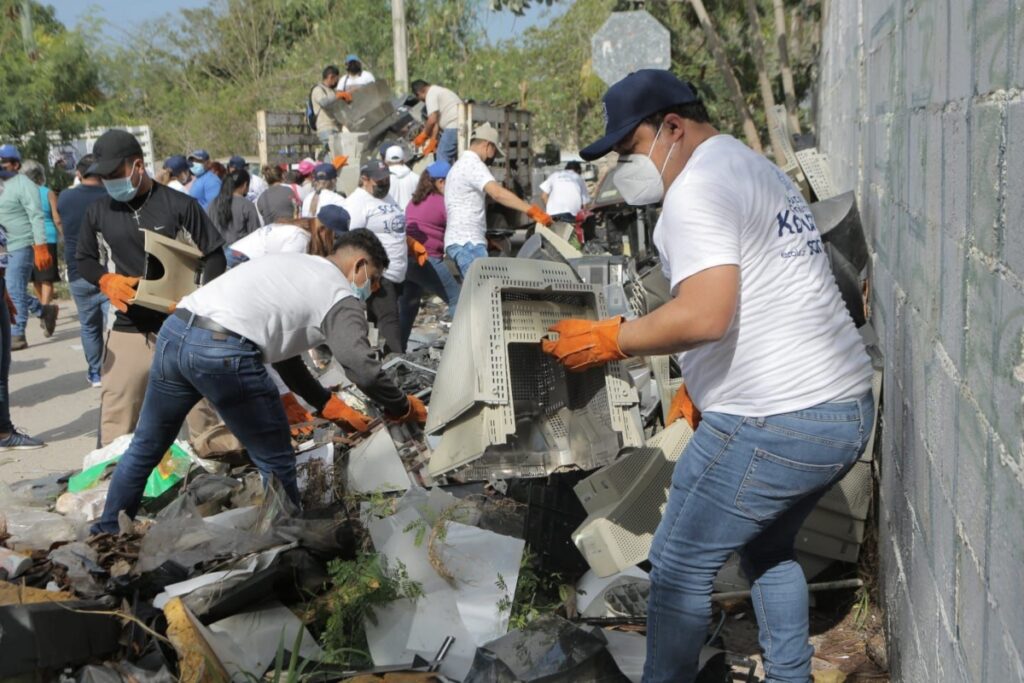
(634,98)
(352,58)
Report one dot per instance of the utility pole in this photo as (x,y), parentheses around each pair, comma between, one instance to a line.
(401,54)
(28,38)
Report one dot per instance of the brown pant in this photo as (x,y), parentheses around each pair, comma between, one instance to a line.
(125,376)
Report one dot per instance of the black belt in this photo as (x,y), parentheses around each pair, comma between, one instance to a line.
(204,323)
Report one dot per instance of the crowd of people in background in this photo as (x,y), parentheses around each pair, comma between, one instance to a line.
(431,223)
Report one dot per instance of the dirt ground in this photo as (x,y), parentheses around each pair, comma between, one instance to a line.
(847,635)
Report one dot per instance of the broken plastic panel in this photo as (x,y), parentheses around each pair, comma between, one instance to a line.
(42,631)
(625,502)
(172,272)
(549,649)
(246,643)
(374,466)
(504,408)
(626,499)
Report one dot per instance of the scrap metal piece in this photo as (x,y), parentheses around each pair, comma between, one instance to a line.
(506,409)
(172,272)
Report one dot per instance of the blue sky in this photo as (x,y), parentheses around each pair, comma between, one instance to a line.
(124,14)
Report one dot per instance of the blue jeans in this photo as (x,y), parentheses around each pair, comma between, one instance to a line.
(417,280)
(92,308)
(20,263)
(191,363)
(746,484)
(465,254)
(448,281)
(5,364)
(448,145)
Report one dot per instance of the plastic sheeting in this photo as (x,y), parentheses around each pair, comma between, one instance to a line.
(429,535)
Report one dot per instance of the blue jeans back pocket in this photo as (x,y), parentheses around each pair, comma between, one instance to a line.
(772,483)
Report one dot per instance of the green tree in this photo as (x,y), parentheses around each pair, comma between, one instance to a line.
(48,86)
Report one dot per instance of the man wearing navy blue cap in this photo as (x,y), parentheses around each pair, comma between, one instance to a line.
(355,75)
(325,178)
(206,186)
(181,173)
(778,375)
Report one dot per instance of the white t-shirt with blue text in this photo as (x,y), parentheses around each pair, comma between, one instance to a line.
(387,220)
(792,344)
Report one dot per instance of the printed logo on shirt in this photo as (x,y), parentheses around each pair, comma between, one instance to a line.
(795,224)
(386,218)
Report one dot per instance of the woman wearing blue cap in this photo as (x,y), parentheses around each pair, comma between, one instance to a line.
(778,374)
(425,220)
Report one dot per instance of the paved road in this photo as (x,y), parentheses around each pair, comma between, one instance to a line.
(51,399)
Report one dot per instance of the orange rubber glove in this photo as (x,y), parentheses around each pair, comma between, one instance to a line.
(585,344)
(420,139)
(343,95)
(340,412)
(42,257)
(417,412)
(430,147)
(682,407)
(296,414)
(10,305)
(417,251)
(120,289)
(339,161)
(538,214)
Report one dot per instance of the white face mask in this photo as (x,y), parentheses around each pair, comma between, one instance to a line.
(638,180)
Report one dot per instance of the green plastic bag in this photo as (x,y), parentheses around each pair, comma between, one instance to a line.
(171,469)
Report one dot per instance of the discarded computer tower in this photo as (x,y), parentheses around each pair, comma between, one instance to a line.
(505,409)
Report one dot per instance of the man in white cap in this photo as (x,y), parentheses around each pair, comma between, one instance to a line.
(403,180)
(469,184)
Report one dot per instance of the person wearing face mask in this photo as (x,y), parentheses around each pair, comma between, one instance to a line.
(271,309)
(777,377)
(467,187)
(206,185)
(135,204)
(371,207)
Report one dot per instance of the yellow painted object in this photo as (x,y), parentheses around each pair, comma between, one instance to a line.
(197,662)
(830,676)
(16,594)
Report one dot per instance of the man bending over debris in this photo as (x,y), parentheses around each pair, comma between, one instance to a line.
(772,360)
(214,346)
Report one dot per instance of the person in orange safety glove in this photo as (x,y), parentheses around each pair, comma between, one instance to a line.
(215,344)
(113,229)
(779,376)
(467,186)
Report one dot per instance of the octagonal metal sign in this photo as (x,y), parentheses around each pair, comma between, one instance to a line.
(629,41)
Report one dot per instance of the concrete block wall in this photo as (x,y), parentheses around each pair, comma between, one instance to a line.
(920,110)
